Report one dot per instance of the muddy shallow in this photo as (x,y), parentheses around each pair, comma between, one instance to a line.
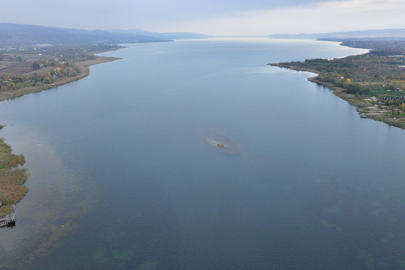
(222,144)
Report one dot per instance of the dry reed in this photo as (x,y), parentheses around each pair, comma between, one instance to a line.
(12,179)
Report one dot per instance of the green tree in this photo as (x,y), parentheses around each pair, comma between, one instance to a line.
(354,88)
(35,65)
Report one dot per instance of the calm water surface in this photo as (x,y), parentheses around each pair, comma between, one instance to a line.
(121,176)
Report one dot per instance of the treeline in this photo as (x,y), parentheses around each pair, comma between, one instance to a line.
(378,70)
(73,53)
(70,54)
(52,63)
(13,82)
(389,45)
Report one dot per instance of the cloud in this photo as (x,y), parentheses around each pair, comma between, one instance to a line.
(124,13)
(325,16)
(364,4)
(217,17)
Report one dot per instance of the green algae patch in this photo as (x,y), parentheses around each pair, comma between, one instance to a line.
(12,179)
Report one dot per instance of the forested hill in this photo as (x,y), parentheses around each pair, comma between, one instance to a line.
(12,35)
(385,33)
(171,35)
(390,46)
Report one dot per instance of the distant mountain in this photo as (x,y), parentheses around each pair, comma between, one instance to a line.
(387,33)
(171,35)
(27,35)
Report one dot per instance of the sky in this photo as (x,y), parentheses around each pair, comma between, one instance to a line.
(212,17)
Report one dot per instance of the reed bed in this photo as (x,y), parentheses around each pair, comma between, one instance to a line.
(12,179)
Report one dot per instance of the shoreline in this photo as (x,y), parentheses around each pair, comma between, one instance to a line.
(337,91)
(12,180)
(14,191)
(351,99)
(355,101)
(84,72)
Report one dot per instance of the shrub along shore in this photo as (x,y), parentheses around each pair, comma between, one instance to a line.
(12,179)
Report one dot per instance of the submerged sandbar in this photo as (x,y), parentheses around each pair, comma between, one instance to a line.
(221,143)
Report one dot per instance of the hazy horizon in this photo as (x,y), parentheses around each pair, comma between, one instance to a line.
(220,18)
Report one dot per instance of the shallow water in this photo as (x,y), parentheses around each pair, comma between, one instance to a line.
(123,153)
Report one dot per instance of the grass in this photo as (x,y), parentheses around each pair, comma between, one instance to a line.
(12,179)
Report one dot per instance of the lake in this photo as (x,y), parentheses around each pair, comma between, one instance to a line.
(124,174)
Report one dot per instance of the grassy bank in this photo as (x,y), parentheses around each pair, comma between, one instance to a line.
(12,179)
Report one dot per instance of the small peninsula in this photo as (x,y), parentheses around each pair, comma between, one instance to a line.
(374,81)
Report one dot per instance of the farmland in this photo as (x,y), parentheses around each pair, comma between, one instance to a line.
(374,81)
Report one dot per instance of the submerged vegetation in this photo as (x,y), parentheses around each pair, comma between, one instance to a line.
(374,81)
(12,179)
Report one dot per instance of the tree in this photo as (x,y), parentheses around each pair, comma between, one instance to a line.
(347,83)
(35,65)
(354,88)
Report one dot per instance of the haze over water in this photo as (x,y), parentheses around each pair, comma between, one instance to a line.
(313,187)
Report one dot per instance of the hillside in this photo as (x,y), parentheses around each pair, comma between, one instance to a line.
(386,33)
(17,35)
(171,35)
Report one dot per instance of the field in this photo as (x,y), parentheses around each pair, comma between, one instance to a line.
(374,82)
(30,70)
